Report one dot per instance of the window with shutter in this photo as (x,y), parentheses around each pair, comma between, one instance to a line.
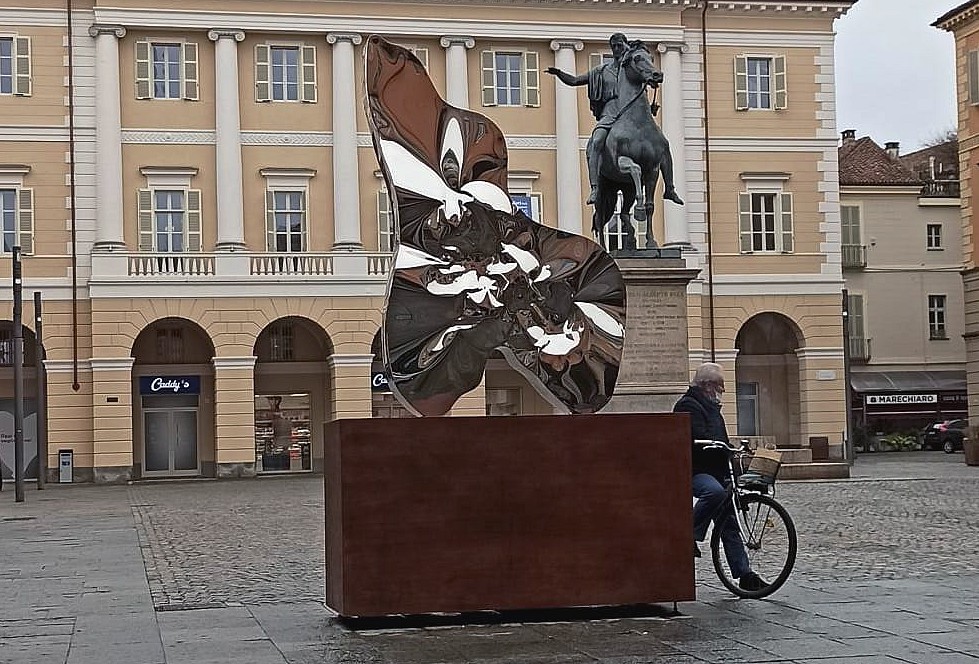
(385,222)
(288,220)
(936,317)
(167,75)
(22,66)
(262,73)
(143,70)
(6,65)
(8,218)
(269,220)
(308,65)
(855,315)
(973,76)
(193,220)
(531,78)
(787,230)
(284,73)
(765,222)
(190,83)
(781,94)
(759,80)
(744,222)
(488,66)
(741,83)
(144,202)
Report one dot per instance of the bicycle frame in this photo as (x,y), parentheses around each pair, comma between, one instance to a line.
(733,490)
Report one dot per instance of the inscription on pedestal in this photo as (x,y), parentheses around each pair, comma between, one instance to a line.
(656,337)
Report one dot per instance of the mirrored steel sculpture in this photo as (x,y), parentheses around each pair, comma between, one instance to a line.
(471,274)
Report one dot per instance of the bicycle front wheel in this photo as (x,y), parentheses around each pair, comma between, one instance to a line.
(769,539)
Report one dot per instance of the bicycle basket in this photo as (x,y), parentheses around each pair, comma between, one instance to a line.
(765,463)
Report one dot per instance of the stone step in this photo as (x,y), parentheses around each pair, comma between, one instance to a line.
(821,470)
(795,454)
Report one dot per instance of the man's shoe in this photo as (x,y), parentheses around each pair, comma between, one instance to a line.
(752,583)
(696,551)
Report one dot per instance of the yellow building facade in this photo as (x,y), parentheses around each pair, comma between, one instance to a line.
(205,218)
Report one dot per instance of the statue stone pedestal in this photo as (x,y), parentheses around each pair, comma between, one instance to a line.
(655,368)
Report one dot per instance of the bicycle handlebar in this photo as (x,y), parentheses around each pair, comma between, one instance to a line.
(720,444)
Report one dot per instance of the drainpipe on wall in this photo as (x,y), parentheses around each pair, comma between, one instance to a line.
(71,187)
(707,188)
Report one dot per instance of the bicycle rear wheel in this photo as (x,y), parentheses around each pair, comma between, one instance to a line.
(770,541)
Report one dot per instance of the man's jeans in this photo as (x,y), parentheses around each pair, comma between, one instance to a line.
(710,493)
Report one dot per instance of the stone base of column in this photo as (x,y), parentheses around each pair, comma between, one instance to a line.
(110,475)
(234,470)
(228,247)
(108,246)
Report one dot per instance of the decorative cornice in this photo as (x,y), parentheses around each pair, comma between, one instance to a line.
(277,172)
(112,363)
(97,29)
(243,362)
(810,353)
(833,8)
(14,169)
(66,366)
(352,37)
(33,17)
(559,44)
(303,138)
(957,16)
(169,136)
(163,171)
(350,360)
(219,33)
(450,40)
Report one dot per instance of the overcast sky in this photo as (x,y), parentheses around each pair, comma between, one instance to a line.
(895,74)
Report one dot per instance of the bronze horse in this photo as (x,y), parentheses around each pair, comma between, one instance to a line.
(635,152)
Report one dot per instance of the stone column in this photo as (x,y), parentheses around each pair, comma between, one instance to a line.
(350,386)
(227,125)
(234,416)
(569,200)
(674,216)
(108,138)
(457,69)
(346,174)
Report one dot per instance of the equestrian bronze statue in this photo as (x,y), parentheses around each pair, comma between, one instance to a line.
(626,151)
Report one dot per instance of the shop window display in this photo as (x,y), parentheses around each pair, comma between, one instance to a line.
(282,433)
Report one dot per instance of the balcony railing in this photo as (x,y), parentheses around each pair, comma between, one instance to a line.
(174,264)
(859,349)
(941,189)
(307,265)
(854,255)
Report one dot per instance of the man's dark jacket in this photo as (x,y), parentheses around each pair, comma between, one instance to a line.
(706,423)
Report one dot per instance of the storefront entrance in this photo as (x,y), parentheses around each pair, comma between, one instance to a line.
(170,436)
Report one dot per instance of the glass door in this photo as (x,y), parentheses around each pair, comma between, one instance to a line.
(170,442)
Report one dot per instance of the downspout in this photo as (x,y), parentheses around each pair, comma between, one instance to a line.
(707,188)
(71,188)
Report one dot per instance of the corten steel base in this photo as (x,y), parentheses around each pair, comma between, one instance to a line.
(468,514)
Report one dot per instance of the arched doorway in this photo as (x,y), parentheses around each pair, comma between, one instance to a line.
(173,400)
(767,379)
(31,461)
(292,395)
(383,401)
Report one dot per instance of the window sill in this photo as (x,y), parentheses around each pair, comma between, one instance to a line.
(936,248)
(935,337)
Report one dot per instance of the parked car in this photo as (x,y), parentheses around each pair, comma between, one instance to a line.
(947,435)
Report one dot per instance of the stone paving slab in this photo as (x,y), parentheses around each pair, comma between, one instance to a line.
(886,574)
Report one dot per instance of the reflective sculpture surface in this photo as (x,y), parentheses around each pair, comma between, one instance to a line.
(471,274)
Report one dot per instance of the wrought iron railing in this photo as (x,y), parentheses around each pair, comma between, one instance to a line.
(941,189)
(854,255)
(859,349)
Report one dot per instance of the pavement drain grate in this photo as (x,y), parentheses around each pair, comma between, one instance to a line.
(19,518)
(189,606)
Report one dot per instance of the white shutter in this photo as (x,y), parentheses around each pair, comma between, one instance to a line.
(854,307)
(263,73)
(779,83)
(307,64)
(385,238)
(191,83)
(269,220)
(786,223)
(531,78)
(489,78)
(193,220)
(974,77)
(744,222)
(22,66)
(741,83)
(25,220)
(143,70)
(144,203)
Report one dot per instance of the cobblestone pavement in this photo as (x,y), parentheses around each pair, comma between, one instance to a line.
(204,571)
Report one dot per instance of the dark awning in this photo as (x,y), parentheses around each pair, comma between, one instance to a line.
(908,381)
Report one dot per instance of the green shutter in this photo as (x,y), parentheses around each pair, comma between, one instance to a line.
(22,66)
(384,235)
(741,83)
(144,203)
(786,223)
(489,78)
(744,221)
(531,78)
(25,220)
(781,96)
(307,58)
(143,70)
(269,220)
(191,83)
(262,73)
(193,220)
(854,309)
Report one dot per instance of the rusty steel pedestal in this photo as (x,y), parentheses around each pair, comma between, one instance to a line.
(505,513)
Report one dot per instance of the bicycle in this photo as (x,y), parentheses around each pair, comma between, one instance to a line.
(767,530)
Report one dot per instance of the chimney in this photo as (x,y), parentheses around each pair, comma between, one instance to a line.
(849,135)
(893,149)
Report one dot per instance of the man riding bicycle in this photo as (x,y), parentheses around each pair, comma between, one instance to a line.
(710,471)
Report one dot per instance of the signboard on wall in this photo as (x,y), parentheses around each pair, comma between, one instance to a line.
(379,382)
(7,438)
(169,385)
(900,399)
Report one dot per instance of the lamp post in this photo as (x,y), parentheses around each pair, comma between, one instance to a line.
(18,378)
